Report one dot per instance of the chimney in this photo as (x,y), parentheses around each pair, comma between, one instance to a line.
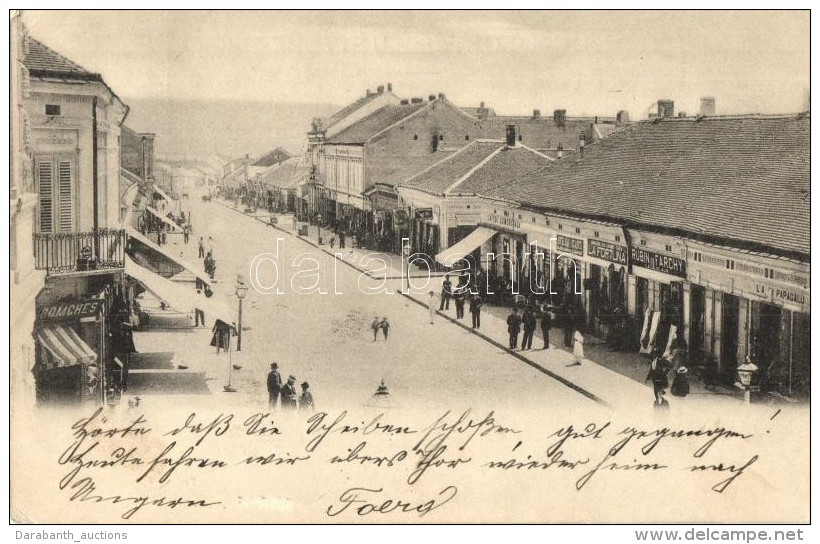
(389,87)
(581,143)
(404,102)
(560,150)
(441,96)
(510,135)
(666,108)
(368,93)
(560,117)
(536,114)
(380,89)
(431,97)
(416,100)
(707,106)
(681,114)
(622,118)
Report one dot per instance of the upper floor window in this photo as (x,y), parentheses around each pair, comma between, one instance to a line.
(52,109)
(55,179)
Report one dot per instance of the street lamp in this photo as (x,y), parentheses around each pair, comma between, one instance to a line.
(319,228)
(745,372)
(241,291)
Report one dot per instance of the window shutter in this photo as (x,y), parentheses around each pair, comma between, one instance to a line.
(66,217)
(45,182)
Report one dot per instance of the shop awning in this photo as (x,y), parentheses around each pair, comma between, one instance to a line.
(453,254)
(137,235)
(177,296)
(163,194)
(162,217)
(65,345)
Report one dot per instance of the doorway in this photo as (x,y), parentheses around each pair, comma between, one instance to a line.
(730,328)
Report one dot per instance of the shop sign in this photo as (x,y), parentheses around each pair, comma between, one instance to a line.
(506,221)
(569,245)
(780,294)
(657,262)
(384,201)
(608,252)
(71,310)
(399,218)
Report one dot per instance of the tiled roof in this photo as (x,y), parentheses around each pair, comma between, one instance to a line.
(286,175)
(444,173)
(393,169)
(361,131)
(741,179)
(272,157)
(508,164)
(350,108)
(481,166)
(41,58)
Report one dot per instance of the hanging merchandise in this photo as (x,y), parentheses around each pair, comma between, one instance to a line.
(644,339)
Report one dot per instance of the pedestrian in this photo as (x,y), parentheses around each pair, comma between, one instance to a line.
(546,324)
(341,239)
(306,399)
(288,394)
(446,292)
(274,385)
(475,309)
(385,326)
(376,325)
(332,241)
(201,246)
(680,384)
(514,327)
(431,305)
(578,348)
(209,247)
(569,325)
(660,401)
(186,233)
(458,298)
(529,321)
(658,374)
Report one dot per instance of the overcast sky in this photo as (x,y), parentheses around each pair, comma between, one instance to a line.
(586,62)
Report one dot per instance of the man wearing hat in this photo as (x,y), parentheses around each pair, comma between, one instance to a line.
(274,385)
(289,394)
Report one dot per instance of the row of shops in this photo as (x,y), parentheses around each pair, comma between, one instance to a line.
(639,290)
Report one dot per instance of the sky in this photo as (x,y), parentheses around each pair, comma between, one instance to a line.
(589,63)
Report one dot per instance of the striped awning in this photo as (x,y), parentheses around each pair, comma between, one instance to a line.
(163,194)
(65,345)
(137,235)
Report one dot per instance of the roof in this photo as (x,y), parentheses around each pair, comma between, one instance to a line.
(272,157)
(479,111)
(735,178)
(350,108)
(286,175)
(536,132)
(481,166)
(361,131)
(42,60)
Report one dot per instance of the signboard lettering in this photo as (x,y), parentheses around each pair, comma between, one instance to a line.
(71,310)
(660,263)
(569,245)
(606,251)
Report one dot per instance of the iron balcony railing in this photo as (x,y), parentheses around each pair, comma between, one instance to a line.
(61,253)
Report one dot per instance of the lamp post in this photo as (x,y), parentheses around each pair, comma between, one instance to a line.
(319,228)
(241,291)
(745,372)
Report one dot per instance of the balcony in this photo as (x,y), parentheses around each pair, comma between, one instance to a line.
(68,252)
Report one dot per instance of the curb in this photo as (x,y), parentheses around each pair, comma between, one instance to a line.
(575,387)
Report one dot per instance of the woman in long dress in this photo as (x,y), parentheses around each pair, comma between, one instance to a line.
(578,347)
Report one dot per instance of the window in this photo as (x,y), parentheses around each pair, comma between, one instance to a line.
(441,137)
(467,137)
(520,138)
(577,230)
(519,216)
(52,109)
(730,264)
(560,226)
(617,237)
(415,136)
(643,242)
(596,234)
(55,186)
(547,221)
(468,206)
(668,248)
(697,256)
(533,219)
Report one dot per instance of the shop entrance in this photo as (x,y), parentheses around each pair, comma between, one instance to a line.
(641,296)
(730,328)
(766,322)
(697,323)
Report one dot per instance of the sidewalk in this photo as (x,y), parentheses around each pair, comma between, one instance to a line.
(613,379)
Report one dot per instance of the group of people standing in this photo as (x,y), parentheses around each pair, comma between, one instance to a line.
(284,394)
(460,294)
(206,252)
(529,321)
(659,368)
